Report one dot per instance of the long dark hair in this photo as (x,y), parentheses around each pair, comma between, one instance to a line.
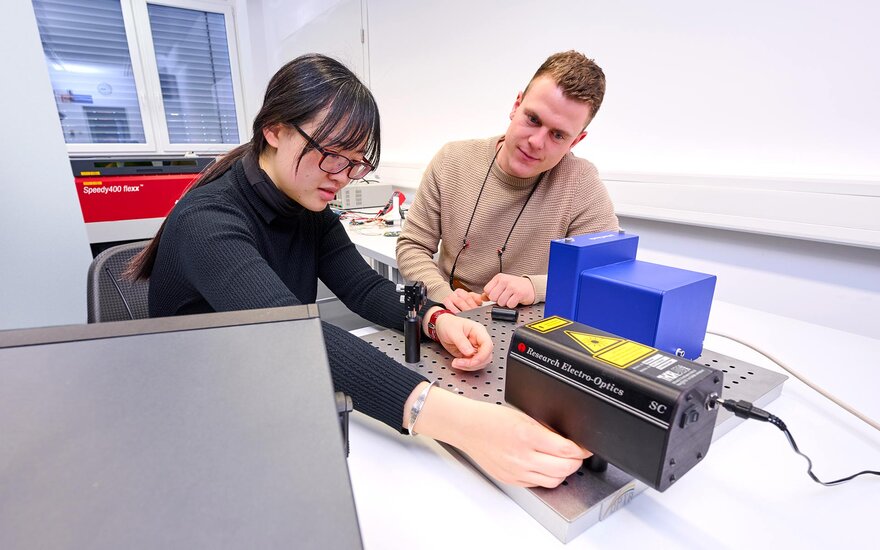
(307,87)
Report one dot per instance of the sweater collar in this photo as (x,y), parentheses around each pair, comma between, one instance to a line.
(274,203)
(501,175)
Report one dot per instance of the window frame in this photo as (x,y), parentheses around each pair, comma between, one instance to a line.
(145,72)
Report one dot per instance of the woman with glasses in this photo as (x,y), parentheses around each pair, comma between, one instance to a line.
(255,231)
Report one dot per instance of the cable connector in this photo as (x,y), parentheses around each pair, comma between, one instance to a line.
(744,409)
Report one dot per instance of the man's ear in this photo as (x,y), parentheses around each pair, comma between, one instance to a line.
(272,135)
(578,139)
(516,104)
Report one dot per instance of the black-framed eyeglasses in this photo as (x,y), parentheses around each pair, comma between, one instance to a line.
(334,163)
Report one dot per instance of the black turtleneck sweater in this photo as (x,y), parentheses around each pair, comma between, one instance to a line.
(239,243)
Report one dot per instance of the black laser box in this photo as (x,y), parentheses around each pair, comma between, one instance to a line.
(645,411)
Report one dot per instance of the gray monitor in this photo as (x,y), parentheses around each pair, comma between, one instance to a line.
(204,431)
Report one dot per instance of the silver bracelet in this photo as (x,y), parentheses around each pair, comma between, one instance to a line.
(417,408)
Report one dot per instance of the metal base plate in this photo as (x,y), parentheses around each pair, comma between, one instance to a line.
(585,497)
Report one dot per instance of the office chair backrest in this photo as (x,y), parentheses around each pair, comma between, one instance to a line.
(110,296)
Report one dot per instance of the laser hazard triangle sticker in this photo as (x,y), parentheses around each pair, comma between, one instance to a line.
(593,342)
(618,352)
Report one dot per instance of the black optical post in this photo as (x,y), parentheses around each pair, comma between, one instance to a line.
(414,296)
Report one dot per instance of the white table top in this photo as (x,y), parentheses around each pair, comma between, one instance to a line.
(371,242)
(752,490)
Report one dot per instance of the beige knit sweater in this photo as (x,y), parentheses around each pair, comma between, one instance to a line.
(570,200)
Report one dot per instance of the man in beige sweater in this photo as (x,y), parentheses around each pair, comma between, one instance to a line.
(493,205)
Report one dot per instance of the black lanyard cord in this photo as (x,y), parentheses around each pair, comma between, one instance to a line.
(480,194)
(521,210)
(465,243)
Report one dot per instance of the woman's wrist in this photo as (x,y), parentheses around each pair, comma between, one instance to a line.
(412,400)
(427,317)
(444,415)
(415,406)
(431,319)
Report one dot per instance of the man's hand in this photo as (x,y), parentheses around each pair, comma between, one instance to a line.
(462,300)
(509,290)
(467,340)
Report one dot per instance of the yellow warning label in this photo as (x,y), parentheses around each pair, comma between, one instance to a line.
(99,182)
(593,342)
(94,173)
(625,354)
(549,324)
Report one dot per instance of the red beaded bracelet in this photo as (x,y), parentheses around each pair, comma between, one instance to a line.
(432,323)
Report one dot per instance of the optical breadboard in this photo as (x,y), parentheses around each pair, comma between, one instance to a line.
(585,497)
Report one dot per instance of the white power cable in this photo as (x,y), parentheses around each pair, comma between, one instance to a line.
(874,424)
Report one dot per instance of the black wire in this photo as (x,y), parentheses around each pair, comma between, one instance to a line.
(776,421)
(744,409)
(466,244)
(480,194)
(464,241)
(119,291)
(509,233)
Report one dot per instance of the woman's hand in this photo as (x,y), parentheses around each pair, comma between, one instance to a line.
(506,444)
(467,340)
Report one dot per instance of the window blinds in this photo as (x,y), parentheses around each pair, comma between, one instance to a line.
(195,74)
(90,69)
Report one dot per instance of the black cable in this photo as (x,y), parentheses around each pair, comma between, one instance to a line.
(518,216)
(119,291)
(464,241)
(744,409)
(466,244)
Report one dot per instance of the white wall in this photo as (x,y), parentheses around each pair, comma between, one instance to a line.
(756,116)
(781,88)
(44,252)
(765,113)
(273,32)
(252,52)
(826,284)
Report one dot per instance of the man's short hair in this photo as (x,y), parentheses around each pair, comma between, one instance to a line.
(578,76)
